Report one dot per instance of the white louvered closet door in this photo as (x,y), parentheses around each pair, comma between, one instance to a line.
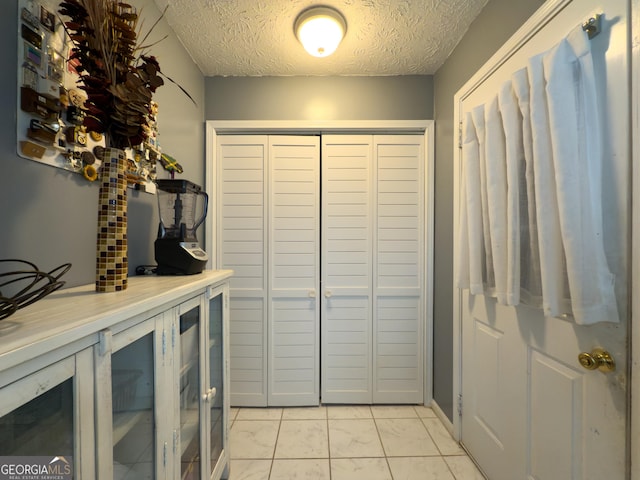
(242,240)
(347,268)
(268,231)
(372,244)
(294,259)
(373,269)
(398,269)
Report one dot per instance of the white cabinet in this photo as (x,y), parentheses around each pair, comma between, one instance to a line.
(125,386)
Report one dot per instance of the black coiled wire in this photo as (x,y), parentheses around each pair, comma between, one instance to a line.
(27,285)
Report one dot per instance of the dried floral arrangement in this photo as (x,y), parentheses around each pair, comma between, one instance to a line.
(117,76)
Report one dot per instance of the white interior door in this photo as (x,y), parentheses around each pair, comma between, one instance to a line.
(528,409)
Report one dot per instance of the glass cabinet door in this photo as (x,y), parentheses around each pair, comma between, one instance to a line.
(132,393)
(43,426)
(190,394)
(216,370)
(44,421)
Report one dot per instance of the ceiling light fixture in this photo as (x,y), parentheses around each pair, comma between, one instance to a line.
(320,30)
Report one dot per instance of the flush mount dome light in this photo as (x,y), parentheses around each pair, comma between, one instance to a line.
(320,30)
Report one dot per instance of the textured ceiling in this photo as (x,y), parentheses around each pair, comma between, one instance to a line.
(256,38)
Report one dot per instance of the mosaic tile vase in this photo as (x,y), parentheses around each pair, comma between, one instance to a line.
(111,254)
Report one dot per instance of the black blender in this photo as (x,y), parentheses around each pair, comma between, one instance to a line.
(177,251)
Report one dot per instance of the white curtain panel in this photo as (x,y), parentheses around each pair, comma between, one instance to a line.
(516,188)
(531,213)
(530,280)
(552,264)
(471,250)
(496,173)
(577,160)
(488,276)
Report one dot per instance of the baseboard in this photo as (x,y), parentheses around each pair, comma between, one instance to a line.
(443,418)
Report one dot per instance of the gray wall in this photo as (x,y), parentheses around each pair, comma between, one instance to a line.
(48,215)
(496,23)
(319,98)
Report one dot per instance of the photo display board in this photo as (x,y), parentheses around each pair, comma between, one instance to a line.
(50,110)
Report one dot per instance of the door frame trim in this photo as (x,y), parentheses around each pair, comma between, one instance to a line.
(545,13)
(311,127)
(634,334)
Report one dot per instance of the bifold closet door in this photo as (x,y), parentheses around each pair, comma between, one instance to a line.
(268,233)
(294,274)
(242,246)
(347,225)
(398,269)
(373,268)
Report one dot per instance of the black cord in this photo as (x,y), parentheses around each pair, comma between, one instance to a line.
(146,269)
(32,285)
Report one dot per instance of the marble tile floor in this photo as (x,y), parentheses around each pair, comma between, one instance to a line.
(345,443)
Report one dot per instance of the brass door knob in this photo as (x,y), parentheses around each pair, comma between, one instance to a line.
(597,359)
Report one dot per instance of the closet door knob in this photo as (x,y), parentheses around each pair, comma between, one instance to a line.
(327,294)
(312,294)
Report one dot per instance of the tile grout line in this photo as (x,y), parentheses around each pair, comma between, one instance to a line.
(275,444)
(384,450)
(326,415)
(430,436)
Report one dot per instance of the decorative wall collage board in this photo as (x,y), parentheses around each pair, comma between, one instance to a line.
(50,109)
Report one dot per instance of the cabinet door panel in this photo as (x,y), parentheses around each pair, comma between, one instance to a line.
(216,393)
(191,387)
(37,418)
(49,414)
(133,407)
